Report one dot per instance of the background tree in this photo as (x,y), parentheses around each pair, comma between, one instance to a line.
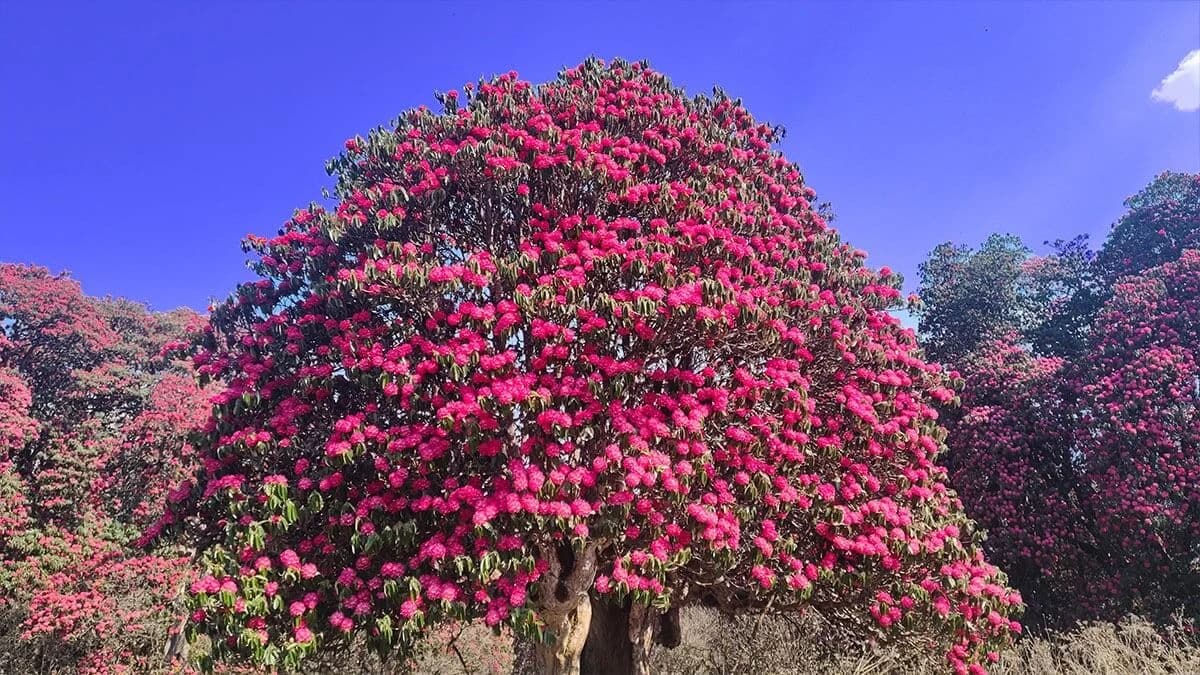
(84,398)
(1075,445)
(1162,220)
(971,296)
(1014,462)
(565,358)
(1063,292)
(1139,434)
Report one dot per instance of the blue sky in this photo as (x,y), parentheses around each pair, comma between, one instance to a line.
(142,141)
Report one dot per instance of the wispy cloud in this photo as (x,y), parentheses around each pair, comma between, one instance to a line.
(1182,87)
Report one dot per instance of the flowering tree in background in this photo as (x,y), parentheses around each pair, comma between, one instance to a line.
(1014,465)
(85,398)
(566,358)
(1161,222)
(1140,435)
(1076,446)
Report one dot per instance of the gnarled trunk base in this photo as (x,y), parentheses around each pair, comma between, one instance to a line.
(593,637)
(608,649)
(565,607)
(619,640)
(570,631)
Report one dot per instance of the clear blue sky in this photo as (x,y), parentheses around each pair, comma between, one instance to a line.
(141,142)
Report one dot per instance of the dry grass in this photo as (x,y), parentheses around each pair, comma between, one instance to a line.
(718,645)
(714,645)
(1133,646)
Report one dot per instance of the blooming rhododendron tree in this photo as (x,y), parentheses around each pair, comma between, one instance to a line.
(1076,446)
(1141,434)
(1163,220)
(92,422)
(566,358)
(1014,463)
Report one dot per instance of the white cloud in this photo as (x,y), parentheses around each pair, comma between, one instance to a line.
(1182,87)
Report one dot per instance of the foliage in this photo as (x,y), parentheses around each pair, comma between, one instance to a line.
(1140,435)
(1014,464)
(1064,292)
(969,296)
(593,317)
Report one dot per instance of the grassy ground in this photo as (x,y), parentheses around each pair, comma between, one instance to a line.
(716,645)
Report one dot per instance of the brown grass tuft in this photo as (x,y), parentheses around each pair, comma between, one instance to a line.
(716,645)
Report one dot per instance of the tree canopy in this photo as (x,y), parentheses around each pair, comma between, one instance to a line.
(560,349)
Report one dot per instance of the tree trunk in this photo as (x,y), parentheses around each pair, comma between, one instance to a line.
(569,630)
(643,627)
(620,639)
(566,609)
(608,650)
(587,637)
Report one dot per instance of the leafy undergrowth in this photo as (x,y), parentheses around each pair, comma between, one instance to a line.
(450,649)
